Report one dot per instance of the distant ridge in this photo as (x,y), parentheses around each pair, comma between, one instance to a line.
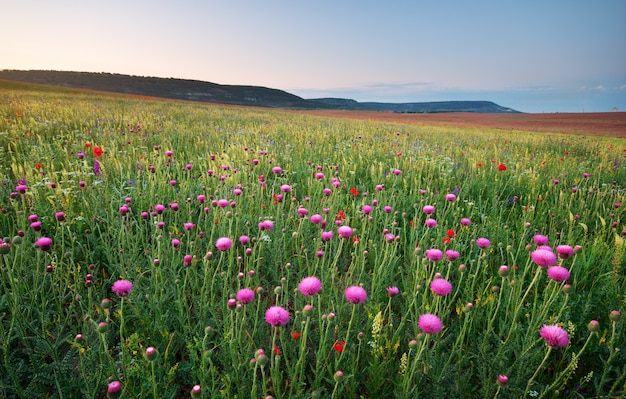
(194,90)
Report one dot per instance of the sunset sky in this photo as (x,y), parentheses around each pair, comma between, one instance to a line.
(534,56)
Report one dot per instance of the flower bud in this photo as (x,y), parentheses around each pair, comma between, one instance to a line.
(593,326)
(615,315)
(150,354)
(502,380)
(278,290)
(338,375)
(196,392)
(567,288)
(308,310)
(114,389)
(103,327)
(503,271)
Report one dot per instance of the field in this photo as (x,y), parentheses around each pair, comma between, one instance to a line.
(170,249)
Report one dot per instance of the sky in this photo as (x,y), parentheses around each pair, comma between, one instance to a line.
(533,56)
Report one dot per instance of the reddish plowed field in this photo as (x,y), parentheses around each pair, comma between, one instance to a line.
(601,124)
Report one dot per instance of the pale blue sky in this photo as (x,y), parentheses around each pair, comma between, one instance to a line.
(534,56)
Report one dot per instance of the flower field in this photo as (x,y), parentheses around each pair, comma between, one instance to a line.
(162,249)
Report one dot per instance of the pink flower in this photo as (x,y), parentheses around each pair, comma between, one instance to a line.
(327,235)
(44,243)
(558,273)
(434,254)
(122,288)
(452,255)
(431,223)
(392,291)
(465,221)
(310,286)
(316,219)
(483,243)
(223,243)
(429,323)
(428,209)
(245,295)
(541,240)
(366,209)
(564,251)
(276,316)
(356,294)
(543,257)
(266,225)
(344,231)
(277,170)
(554,336)
(244,240)
(440,286)
(450,197)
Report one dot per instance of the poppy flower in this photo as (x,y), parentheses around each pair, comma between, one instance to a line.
(340,215)
(295,335)
(38,166)
(87,145)
(277,350)
(450,233)
(338,347)
(502,167)
(354,191)
(97,151)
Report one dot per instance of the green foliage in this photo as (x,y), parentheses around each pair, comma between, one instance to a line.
(490,322)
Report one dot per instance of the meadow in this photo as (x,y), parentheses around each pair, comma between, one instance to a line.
(163,249)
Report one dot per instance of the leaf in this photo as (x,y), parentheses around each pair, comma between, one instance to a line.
(584,226)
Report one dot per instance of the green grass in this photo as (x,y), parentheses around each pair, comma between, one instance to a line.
(490,322)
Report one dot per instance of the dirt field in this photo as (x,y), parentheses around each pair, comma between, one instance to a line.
(589,124)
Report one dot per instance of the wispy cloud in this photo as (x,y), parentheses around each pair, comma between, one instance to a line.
(593,88)
(622,87)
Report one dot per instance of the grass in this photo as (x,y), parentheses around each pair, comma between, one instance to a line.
(159,182)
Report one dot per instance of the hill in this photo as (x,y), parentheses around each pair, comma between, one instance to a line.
(194,90)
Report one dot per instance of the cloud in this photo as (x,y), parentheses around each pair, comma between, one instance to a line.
(593,88)
(622,87)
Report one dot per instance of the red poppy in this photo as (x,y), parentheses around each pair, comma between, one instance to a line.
(338,347)
(340,215)
(38,166)
(97,151)
(277,350)
(450,233)
(295,335)
(480,164)
(502,167)
(447,241)
(87,145)
(356,240)
(354,191)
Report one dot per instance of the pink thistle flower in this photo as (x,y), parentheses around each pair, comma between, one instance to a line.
(223,244)
(554,336)
(543,257)
(431,223)
(245,295)
(558,273)
(59,216)
(440,287)
(429,323)
(114,390)
(483,243)
(434,254)
(244,240)
(316,219)
(276,316)
(327,235)
(302,212)
(450,197)
(452,255)
(344,231)
(465,221)
(44,243)
(355,294)
(564,251)
(366,209)
(266,225)
(277,170)
(310,286)
(392,291)
(541,240)
(122,288)
(428,209)
(285,188)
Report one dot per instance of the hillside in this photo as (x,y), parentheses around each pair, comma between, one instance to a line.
(194,90)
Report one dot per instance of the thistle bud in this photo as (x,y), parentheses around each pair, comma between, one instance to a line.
(593,326)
